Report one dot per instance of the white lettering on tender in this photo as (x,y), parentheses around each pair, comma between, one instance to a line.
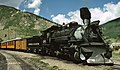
(33,43)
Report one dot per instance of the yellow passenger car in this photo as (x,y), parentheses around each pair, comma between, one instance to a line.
(18,44)
(11,44)
(24,44)
(21,44)
(3,45)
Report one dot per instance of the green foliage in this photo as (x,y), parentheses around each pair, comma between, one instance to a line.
(54,68)
(43,64)
(1,40)
(116,54)
(14,22)
(111,30)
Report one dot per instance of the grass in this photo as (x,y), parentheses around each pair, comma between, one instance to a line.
(116,54)
(54,68)
(39,61)
(15,23)
(43,64)
(111,30)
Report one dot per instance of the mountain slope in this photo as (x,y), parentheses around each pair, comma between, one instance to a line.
(111,30)
(15,23)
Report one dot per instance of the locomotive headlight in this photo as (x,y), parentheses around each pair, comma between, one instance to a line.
(78,33)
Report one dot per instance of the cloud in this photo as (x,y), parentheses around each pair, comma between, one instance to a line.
(109,12)
(37,11)
(60,18)
(73,16)
(35,5)
(13,3)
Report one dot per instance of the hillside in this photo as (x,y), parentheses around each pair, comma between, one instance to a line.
(15,23)
(111,30)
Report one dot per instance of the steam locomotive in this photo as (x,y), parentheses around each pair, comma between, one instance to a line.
(80,43)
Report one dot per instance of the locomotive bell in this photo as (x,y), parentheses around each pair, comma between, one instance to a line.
(85,15)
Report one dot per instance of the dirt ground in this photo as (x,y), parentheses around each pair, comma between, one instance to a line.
(39,62)
(3,62)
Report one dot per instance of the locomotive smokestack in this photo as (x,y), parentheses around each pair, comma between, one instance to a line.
(85,15)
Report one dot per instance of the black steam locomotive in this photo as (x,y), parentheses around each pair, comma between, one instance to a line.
(81,43)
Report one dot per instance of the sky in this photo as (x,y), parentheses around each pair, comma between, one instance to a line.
(60,11)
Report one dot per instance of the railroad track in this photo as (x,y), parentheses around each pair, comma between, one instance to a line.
(3,62)
(12,64)
(15,63)
(115,67)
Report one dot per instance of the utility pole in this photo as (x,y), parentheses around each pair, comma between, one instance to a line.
(8,34)
(15,33)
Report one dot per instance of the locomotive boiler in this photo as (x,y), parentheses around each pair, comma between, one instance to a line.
(81,43)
